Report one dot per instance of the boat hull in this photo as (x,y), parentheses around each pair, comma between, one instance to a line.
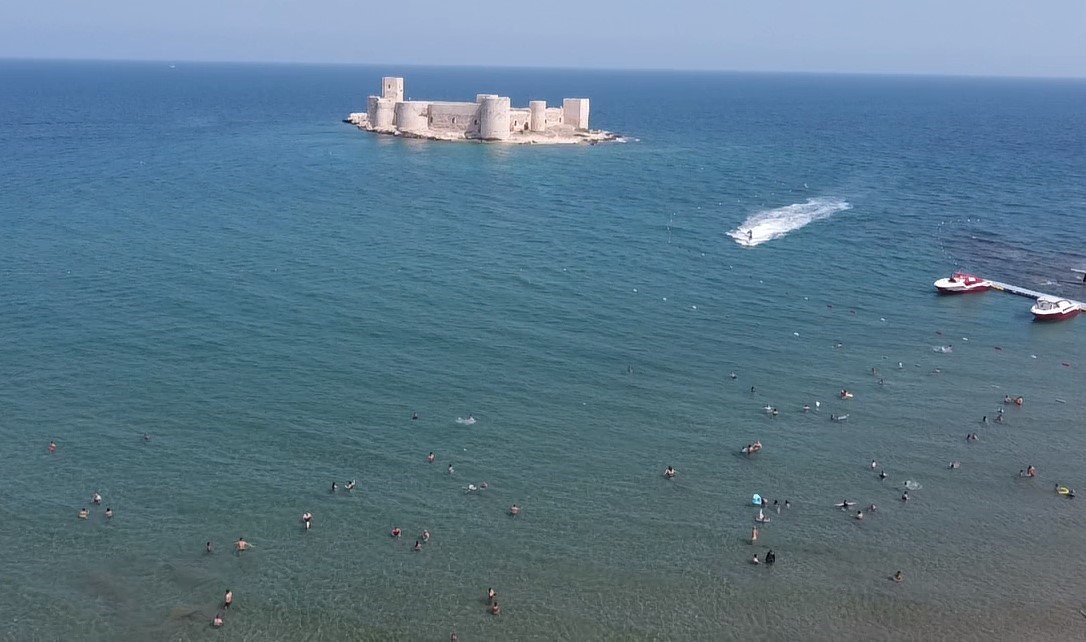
(1055,316)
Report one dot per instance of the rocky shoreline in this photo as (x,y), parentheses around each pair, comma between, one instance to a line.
(553,136)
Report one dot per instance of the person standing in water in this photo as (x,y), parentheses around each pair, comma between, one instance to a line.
(430,458)
(754,535)
(228,599)
(52,447)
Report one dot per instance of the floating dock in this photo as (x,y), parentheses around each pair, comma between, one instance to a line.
(1033,294)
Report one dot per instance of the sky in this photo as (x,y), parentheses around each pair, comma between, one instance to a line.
(966,37)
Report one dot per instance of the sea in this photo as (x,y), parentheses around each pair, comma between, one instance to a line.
(218,299)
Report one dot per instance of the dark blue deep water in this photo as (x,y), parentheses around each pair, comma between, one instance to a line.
(207,254)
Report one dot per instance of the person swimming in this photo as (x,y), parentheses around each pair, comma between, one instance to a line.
(334,487)
(882,474)
(905,496)
(872,508)
(84,513)
(414,416)
(669,473)
(770,557)
(954,465)
(451,471)
(430,458)
(806,408)
(1031,471)
(425,536)
(844,503)
(109,513)
(874,465)
(97,499)
(418,546)
(52,447)
(241,545)
(514,510)
(755,559)
(859,514)
(351,484)
(217,621)
(897,577)
(396,532)
(307,519)
(208,548)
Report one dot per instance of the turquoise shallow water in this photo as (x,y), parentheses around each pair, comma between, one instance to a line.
(208,255)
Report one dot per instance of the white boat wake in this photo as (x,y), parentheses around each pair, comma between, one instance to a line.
(768,225)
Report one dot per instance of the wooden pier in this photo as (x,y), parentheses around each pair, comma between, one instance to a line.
(1032,294)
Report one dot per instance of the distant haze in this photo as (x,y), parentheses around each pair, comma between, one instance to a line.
(973,37)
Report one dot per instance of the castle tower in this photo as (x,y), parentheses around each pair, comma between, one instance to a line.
(392,88)
(538,110)
(575,112)
(494,118)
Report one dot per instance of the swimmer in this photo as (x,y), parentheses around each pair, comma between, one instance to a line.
(845,504)
(734,376)
(484,485)
(451,470)
(905,496)
(334,487)
(97,499)
(881,382)
(351,484)
(900,365)
(777,506)
(897,577)
(882,474)
(84,513)
(984,419)
(418,546)
(307,519)
(787,504)
(217,622)
(872,508)
(774,412)
(208,548)
(806,408)
(472,488)
(396,532)
(414,416)
(109,513)
(752,390)
(954,465)
(669,473)
(1071,494)
(1006,399)
(228,599)
(770,557)
(425,536)
(755,559)
(999,417)
(147,436)
(52,447)
(491,595)
(754,535)
(495,610)
(1031,471)
(514,510)
(241,545)
(454,637)
(859,514)
(1057,489)
(874,465)
(430,458)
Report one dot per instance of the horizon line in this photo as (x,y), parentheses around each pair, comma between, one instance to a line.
(912,74)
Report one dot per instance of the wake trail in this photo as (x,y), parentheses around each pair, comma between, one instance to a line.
(768,225)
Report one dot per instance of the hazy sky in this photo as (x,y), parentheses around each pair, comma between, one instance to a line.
(990,37)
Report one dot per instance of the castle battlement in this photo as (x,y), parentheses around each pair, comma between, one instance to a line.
(490,118)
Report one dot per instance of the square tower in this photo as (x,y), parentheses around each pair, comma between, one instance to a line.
(575,112)
(392,88)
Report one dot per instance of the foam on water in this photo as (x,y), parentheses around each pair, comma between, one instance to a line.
(767,225)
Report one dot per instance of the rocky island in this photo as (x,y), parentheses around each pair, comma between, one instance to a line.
(490,118)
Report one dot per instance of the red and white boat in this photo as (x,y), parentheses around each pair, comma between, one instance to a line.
(960,283)
(1054,309)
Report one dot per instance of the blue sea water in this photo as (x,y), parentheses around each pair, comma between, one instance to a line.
(206,254)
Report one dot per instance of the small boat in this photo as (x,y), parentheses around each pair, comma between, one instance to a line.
(1054,309)
(960,283)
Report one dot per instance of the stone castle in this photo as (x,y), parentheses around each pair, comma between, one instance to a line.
(489,118)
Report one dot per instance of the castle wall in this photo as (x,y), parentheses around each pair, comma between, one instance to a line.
(519,119)
(454,117)
(412,116)
(537,115)
(575,112)
(494,121)
(553,116)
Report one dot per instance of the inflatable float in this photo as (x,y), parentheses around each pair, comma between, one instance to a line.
(756,500)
